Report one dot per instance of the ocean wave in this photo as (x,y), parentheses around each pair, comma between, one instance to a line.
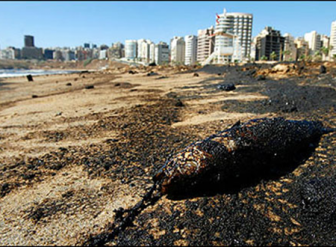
(33,72)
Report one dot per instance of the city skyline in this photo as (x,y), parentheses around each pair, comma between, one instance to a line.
(70,24)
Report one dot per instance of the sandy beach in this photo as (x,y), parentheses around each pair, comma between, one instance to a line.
(75,147)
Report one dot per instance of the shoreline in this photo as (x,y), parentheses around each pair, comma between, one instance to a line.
(34,72)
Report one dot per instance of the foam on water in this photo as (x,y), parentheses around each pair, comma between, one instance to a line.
(33,72)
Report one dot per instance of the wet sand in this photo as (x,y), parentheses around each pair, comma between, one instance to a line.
(71,155)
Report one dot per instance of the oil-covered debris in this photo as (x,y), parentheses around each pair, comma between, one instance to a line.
(226,87)
(236,153)
(286,96)
(89,87)
(152,73)
(223,159)
(179,103)
(319,199)
(323,69)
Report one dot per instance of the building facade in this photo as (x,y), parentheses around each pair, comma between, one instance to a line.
(68,55)
(131,49)
(333,39)
(151,52)
(240,26)
(7,54)
(48,54)
(142,50)
(205,43)
(161,53)
(177,50)
(190,49)
(290,50)
(115,51)
(314,41)
(29,41)
(269,41)
(302,47)
(31,53)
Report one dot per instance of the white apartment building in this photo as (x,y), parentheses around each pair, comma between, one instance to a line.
(7,54)
(139,48)
(144,55)
(151,52)
(253,50)
(314,41)
(333,39)
(177,50)
(290,50)
(131,49)
(190,49)
(325,40)
(103,54)
(240,26)
(205,43)
(161,53)
(143,50)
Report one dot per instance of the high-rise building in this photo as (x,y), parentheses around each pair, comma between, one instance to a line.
(10,53)
(314,41)
(240,26)
(290,50)
(161,53)
(205,43)
(190,49)
(57,55)
(115,51)
(151,52)
(253,50)
(80,54)
(131,49)
(48,53)
(177,50)
(142,49)
(302,47)
(29,51)
(333,39)
(102,54)
(7,53)
(325,41)
(29,41)
(68,54)
(269,41)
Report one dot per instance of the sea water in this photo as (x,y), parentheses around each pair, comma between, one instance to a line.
(33,72)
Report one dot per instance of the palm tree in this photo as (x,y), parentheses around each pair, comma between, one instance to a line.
(264,58)
(325,51)
(309,58)
(273,55)
(286,53)
(317,56)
